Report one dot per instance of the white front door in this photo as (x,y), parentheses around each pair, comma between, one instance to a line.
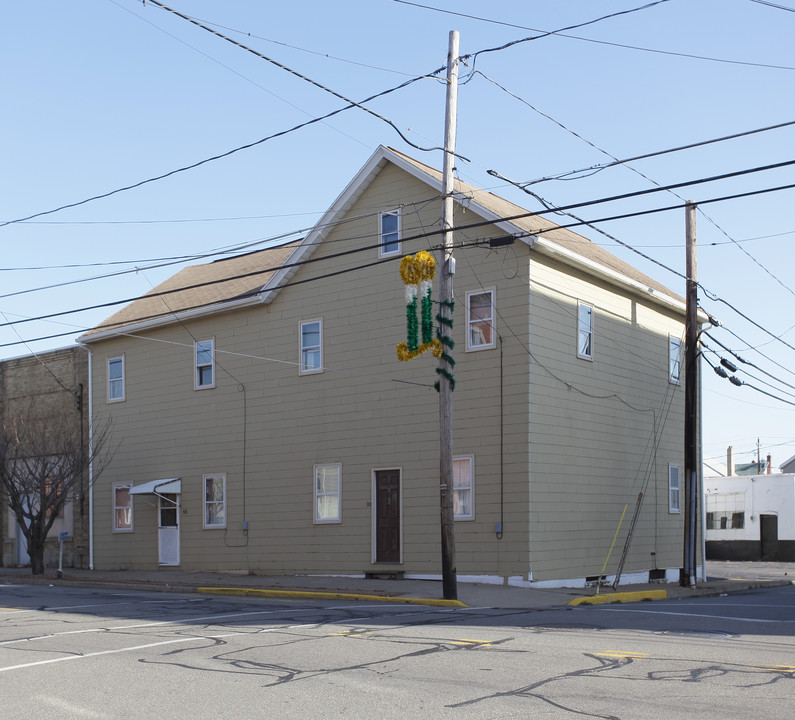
(168,529)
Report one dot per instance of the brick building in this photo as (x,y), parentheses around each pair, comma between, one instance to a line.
(56,384)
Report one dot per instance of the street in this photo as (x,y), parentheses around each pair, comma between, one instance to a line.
(88,653)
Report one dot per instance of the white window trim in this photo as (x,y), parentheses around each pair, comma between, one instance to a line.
(673,340)
(301,369)
(123,379)
(487,346)
(118,507)
(315,495)
(471,515)
(674,509)
(382,252)
(585,356)
(224,502)
(196,365)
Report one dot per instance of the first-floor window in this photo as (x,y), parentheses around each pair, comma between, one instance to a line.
(215,501)
(463,486)
(205,364)
(585,331)
(311,346)
(328,481)
(673,488)
(122,508)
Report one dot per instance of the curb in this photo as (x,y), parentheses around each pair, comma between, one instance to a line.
(621,597)
(308,594)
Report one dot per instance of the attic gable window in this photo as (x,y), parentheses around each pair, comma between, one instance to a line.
(585,331)
(116,379)
(205,364)
(674,359)
(389,233)
(311,347)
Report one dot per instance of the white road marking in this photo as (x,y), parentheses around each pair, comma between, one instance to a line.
(699,615)
(114,652)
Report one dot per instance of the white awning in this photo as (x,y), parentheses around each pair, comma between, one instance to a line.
(158,487)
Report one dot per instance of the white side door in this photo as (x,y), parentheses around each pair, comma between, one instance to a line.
(168,529)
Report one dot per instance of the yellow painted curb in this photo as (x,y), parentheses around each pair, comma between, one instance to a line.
(307,594)
(621,597)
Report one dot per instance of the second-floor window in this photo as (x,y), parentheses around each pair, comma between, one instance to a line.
(205,364)
(674,359)
(480,320)
(311,347)
(115,379)
(389,233)
(585,331)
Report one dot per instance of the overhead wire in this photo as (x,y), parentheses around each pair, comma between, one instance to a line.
(625,163)
(301,76)
(509,218)
(559,33)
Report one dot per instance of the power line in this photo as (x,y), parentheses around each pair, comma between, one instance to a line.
(214,157)
(774,5)
(625,163)
(468,226)
(301,76)
(546,33)
(728,365)
(741,383)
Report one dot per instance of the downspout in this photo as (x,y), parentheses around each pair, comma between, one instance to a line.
(90,458)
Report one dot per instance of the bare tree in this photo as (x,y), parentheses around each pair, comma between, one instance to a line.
(44,461)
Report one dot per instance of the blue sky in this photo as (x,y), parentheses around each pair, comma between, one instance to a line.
(101,94)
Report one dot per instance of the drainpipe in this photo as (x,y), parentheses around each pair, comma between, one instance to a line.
(90,458)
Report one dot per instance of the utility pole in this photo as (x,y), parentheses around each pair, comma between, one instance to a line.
(688,575)
(445,370)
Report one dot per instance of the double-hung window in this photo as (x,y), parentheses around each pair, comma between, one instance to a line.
(116,379)
(215,501)
(673,489)
(480,320)
(389,233)
(463,488)
(328,481)
(122,508)
(205,364)
(674,359)
(585,331)
(311,360)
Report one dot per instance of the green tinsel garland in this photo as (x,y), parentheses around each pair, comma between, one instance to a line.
(447,343)
(426,311)
(411,324)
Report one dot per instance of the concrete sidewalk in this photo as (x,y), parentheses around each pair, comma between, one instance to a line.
(723,577)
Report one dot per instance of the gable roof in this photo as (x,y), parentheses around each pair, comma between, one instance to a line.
(257,277)
(198,290)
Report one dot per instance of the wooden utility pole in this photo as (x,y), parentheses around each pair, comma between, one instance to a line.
(688,574)
(445,371)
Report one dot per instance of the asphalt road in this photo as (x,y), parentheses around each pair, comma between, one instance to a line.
(80,653)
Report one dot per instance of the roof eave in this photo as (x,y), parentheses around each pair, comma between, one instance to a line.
(549,248)
(170,319)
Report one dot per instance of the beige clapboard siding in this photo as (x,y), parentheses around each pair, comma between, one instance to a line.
(570,462)
(588,454)
(295,422)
